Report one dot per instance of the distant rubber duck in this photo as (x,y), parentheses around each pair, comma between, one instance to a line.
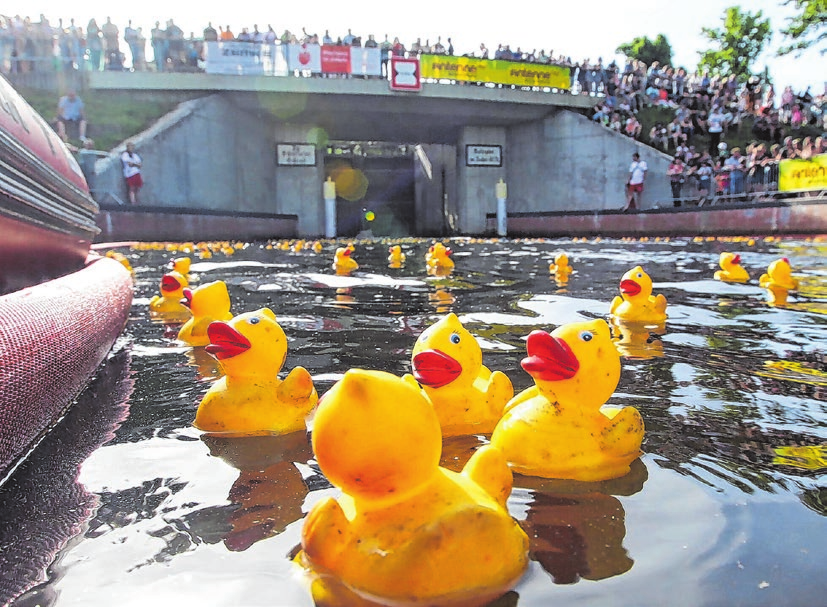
(317,247)
(298,246)
(405,530)
(121,259)
(560,266)
(168,304)
(438,259)
(208,303)
(558,428)
(180,265)
(447,362)
(396,258)
(343,263)
(636,302)
(250,398)
(778,281)
(731,268)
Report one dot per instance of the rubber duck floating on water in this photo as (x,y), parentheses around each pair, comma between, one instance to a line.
(250,398)
(208,303)
(343,263)
(558,428)
(168,304)
(406,530)
(778,281)
(731,268)
(396,258)
(438,259)
(180,265)
(636,302)
(447,363)
(560,266)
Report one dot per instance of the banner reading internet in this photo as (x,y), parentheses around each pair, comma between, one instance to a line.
(471,69)
(795,175)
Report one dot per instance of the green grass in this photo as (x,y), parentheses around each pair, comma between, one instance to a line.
(112,116)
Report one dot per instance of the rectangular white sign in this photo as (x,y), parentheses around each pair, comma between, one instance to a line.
(241,58)
(296,154)
(483,155)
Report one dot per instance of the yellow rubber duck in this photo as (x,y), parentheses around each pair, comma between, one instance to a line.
(317,247)
(731,268)
(447,363)
(121,259)
(438,259)
(636,302)
(778,281)
(558,428)
(168,304)
(250,398)
(208,303)
(396,258)
(343,263)
(180,265)
(298,246)
(405,529)
(560,266)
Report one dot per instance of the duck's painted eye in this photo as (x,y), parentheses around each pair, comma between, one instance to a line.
(639,275)
(254,320)
(455,339)
(586,335)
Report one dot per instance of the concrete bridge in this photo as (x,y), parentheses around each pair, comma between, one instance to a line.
(266,145)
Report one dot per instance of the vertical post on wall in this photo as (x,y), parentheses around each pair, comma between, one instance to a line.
(330,208)
(501,191)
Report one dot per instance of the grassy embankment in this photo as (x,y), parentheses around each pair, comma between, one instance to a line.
(113,116)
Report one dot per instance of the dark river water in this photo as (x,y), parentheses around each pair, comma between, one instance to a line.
(125,503)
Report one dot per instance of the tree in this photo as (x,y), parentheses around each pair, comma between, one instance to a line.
(738,44)
(808,28)
(648,51)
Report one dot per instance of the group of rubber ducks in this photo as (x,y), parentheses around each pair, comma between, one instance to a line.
(777,280)
(405,529)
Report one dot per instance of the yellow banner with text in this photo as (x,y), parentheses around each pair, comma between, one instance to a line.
(471,69)
(796,175)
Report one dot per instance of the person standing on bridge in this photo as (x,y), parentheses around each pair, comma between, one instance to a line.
(634,184)
(132,172)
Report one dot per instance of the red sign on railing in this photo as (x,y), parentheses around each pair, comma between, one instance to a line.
(405,74)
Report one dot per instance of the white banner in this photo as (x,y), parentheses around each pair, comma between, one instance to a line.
(242,58)
(365,61)
(305,58)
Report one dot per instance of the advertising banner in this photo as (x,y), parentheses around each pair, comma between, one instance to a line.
(471,69)
(304,57)
(242,58)
(796,175)
(335,59)
(365,61)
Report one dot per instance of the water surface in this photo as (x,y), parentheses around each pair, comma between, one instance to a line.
(726,507)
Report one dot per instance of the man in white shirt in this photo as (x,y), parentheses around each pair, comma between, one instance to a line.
(132,172)
(634,184)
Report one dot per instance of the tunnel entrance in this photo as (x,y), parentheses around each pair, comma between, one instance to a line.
(389,189)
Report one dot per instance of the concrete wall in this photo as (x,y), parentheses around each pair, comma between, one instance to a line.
(569,163)
(299,189)
(436,190)
(205,154)
(475,185)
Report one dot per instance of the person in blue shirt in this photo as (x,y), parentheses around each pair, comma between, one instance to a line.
(70,111)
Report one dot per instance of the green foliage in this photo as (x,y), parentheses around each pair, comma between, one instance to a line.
(807,28)
(737,45)
(113,116)
(648,51)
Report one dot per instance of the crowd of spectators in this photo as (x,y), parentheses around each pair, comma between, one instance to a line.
(708,109)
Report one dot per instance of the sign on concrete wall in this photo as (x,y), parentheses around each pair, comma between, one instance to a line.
(296,154)
(483,155)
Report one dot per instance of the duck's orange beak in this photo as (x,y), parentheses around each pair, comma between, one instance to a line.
(435,369)
(187,301)
(549,358)
(629,287)
(225,342)
(169,283)
(736,260)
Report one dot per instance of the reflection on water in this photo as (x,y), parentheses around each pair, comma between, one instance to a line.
(726,506)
